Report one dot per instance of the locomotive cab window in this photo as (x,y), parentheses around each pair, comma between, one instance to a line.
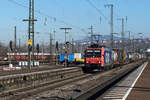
(89,53)
(97,53)
(93,53)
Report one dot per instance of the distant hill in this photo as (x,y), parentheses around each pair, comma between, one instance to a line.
(105,37)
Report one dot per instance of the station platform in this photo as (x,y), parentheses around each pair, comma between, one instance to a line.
(141,90)
(135,86)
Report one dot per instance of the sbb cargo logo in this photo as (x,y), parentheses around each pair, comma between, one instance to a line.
(107,58)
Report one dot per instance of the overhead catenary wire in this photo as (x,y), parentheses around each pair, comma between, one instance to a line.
(117,16)
(48,16)
(97,9)
(101,13)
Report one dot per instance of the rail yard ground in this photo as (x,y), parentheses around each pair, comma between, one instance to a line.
(74,50)
(61,83)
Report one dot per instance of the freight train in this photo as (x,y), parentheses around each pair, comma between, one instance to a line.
(102,58)
(24,56)
(148,54)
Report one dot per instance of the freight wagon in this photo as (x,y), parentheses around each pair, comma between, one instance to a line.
(24,56)
(134,56)
(75,58)
(78,58)
(122,57)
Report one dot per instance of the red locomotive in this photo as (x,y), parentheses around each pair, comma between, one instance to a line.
(100,57)
(97,57)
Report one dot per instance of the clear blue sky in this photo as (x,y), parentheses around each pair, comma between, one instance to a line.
(78,13)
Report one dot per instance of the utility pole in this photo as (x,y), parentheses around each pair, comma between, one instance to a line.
(15,39)
(129,34)
(111,24)
(140,42)
(66,49)
(129,40)
(133,44)
(19,44)
(122,33)
(30,32)
(51,47)
(54,41)
(91,28)
(72,46)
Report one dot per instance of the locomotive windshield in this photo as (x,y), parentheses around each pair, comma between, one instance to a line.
(93,53)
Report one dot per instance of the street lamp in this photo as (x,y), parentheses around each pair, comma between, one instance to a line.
(65,29)
(66,50)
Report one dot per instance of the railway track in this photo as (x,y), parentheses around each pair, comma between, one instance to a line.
(106,82)
(34,69)
(11,83)
(18,94)
(26,70)
(50,84)
(29,91)
(7,62)
(75,89)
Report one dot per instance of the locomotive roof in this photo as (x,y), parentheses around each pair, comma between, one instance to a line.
(96,46)
(93,48)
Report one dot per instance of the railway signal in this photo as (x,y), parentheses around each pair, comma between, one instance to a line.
(30,45)
(38,48)
(57,45)
(11,45)
(29,42)
(122,33)
(57,48)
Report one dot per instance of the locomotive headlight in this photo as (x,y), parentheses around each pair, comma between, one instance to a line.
(87,62)
(99,62)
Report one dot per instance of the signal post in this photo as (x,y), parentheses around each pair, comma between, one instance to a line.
(31,21)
